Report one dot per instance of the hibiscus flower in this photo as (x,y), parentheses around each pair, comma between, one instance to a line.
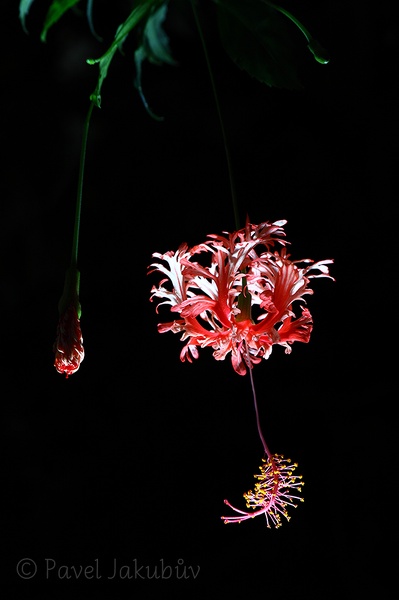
(240,301)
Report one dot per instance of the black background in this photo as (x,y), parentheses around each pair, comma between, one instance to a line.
(130,459)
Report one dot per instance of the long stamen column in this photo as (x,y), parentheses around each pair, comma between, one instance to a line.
(277,486)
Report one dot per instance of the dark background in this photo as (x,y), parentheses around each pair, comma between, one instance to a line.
(131,457)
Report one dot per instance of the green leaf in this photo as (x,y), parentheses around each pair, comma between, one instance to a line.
(24,7)
(259,40)
(139,57)
(155,48)
(155,41)
(54,13)
(142,8)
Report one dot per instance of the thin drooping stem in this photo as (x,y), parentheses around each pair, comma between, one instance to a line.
(243,298)
(219,112)
(78,209)
(262,438)
(234,200)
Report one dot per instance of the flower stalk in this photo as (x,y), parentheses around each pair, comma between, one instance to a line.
(220,117)
(79,196)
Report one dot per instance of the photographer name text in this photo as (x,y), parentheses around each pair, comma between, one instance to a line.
(28,568)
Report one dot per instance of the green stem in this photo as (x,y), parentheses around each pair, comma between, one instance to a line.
(219,112)
(78,209)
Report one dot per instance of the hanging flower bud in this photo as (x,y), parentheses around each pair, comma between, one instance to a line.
(68,346)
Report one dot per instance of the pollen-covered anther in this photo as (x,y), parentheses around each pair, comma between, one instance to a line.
(272,493)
